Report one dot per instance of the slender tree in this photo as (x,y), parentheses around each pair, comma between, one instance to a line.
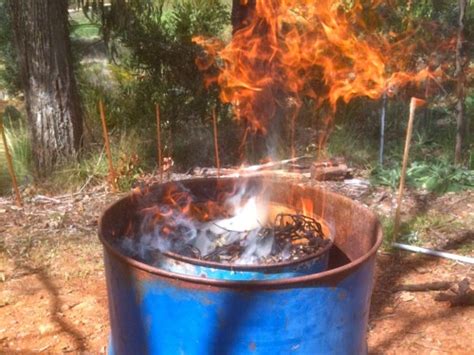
(461,63)
(41,37)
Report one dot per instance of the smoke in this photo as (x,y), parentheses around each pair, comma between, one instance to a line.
(169,227)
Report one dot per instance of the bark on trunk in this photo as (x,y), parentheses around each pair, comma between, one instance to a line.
(41,37)
(241,11)
(461,62)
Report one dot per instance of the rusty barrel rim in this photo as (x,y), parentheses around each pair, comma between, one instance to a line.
(324,276)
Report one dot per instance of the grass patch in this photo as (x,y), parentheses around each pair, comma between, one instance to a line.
(431,229)
(92,169)
(81,27)
(20,149)
(356,148)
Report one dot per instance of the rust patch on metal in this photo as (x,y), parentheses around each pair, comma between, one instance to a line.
(252,346)
(342,295)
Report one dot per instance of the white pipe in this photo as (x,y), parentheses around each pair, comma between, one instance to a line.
(442,254)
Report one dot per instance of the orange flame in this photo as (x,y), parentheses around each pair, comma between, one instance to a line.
(293,49)
(176,203)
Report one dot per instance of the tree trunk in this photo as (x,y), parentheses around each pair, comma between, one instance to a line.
(461,62)
(241,11)
(41,37)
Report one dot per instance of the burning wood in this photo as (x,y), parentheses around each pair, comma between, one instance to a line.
(290,237)
(238,226)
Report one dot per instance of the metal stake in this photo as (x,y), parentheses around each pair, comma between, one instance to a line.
(382,127)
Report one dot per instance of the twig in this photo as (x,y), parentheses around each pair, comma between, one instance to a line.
(216,145)
(90,177)
(414,102)
(105,132)
(158,136)
(429,286)
(11,170)
(272,164)
(46,199)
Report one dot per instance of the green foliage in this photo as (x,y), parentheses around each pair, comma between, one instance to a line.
(436,176)
(154,62)
(9,72)
(20,149)
(93,169)
(118,88)
(81,28)
(356,147)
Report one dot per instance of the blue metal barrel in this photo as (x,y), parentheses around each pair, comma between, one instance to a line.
(154,311)
(185,265)
(211,270)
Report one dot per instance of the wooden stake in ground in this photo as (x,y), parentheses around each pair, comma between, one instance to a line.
(216,146)
(413,105)
(11,170)
(158,136)
(112,174)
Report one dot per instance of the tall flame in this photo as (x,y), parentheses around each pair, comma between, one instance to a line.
(292,49)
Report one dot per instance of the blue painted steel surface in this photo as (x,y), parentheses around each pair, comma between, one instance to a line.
(151,314)
(154,311)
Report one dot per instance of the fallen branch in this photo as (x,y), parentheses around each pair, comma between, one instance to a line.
(274,165)
(429,286)
(336,172)
(463,296)
(45,199)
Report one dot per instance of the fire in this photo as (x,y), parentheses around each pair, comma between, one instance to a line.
(236,223)
(296,49)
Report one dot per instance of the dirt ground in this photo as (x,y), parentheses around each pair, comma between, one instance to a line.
(53,297)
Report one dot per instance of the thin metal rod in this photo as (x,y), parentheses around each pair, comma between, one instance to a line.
(216,146)
(158,134)
(396,225)
(292,134)
(105,132)
(11,170)
(243,143)
(382,128)
(441,254)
